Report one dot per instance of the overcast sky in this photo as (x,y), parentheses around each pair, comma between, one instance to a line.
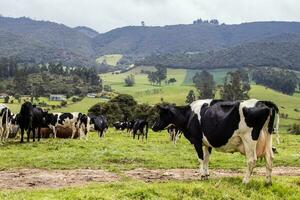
(104,15)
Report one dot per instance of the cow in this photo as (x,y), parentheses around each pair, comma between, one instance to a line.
(14,126)
(75,121)
(229,126)
(99,124)
(5,117)
(129,126)
(120,125)
(174,133)
(140,127)
(31,118)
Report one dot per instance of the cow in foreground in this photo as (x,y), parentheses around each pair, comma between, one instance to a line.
(140,127)
(238,126)
(99,124)
(31,118)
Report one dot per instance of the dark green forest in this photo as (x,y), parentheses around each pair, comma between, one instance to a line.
(18,78)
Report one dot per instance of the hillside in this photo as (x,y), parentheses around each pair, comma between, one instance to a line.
(187,38)
(257,43)
(282,53)
(87,31)
(44,41)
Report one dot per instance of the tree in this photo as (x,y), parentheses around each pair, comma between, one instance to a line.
(190,97)
(6,99)
(172,80)
(205,84)
(129,80)
(126,103)
(161,74)
(233,88)
(143,23)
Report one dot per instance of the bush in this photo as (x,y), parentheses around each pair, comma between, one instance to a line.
(63,103)
(6,99)
(294,129)
(129,80)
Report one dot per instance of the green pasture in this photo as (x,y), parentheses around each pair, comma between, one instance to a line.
(118,151)
(225,188)
(111,59)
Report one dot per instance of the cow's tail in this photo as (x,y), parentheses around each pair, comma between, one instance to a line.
(276,130)
(276,118)
(6,123)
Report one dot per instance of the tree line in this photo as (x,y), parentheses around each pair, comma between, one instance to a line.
(278,79)
(236,86)
(44,79)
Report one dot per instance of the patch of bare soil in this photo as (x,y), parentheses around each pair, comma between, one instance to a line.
(149,175)
(37,178)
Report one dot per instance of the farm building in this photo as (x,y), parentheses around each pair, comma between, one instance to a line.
(57,97)
(91,95)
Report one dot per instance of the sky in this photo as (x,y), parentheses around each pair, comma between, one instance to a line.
(104,15)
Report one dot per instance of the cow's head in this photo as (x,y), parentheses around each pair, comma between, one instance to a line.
(165,116)
(51,119)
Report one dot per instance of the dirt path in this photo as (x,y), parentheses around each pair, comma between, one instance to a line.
(149,175)
(37,178)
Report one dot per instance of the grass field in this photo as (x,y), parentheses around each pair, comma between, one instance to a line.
(111,59)
(118,153)
(226,188)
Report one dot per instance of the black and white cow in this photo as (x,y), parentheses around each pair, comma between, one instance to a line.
(31,118)
(120,125)
(239,126)
(14,126)
(5,117)
(99,124)
(174,133)
(76,121)
(140,127)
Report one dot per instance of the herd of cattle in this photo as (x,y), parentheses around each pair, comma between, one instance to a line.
(227,126)
(39,123)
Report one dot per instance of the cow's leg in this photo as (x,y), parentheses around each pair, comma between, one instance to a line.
(22,135)
(39,133)
(146,134)
(251,157)
(53,128)
(207,151)
(199,150)
(73,132)
(269,159)
(33,134)
(1,133)
(28,134)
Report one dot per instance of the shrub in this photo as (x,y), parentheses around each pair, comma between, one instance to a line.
(63,103)
(294,129)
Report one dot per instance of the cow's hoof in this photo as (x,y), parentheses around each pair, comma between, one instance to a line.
(204,177)
(268,183)
(245,181)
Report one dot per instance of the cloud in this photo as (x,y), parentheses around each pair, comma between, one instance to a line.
(104,15)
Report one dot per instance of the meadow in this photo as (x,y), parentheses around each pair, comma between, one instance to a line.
(118,153)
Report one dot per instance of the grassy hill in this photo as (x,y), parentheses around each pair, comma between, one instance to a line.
(144,92)
(110,60)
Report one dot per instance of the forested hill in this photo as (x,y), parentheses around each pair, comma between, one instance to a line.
(188,38)
(44,41)
(283,53)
